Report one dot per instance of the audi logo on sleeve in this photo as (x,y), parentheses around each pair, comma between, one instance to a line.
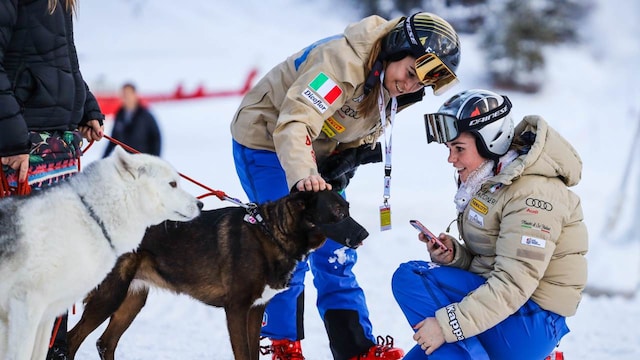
(540,204)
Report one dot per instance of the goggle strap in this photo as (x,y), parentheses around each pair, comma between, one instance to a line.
(410,33)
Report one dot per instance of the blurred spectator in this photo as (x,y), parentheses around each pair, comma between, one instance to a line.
(134,125)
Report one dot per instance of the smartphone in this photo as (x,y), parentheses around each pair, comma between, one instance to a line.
(423,229)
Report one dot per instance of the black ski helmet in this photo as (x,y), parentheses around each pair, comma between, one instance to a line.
(417,35)
(422,33)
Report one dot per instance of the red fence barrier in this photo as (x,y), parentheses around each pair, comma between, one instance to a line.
(109,103)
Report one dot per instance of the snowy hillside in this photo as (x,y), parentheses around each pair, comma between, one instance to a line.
(591,97)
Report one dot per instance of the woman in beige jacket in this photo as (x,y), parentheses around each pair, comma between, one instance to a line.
(504,290)
(336,95)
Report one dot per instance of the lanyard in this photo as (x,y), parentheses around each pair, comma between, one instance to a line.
(387,137)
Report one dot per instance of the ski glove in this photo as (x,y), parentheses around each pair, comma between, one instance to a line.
(339,168)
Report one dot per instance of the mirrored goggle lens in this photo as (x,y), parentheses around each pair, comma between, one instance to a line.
(433,72)
(440,128)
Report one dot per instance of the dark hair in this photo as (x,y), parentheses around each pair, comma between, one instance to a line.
(129,85)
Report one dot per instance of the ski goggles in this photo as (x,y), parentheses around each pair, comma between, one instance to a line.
(433,72)
(442,128)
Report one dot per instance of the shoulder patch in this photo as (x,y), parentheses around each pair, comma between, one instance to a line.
(325,87)
(327,92)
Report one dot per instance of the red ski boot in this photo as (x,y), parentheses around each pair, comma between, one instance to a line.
(556,355)
(384,350)
(283,350)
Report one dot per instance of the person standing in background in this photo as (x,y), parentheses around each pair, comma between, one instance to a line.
(46,108)
(134,125)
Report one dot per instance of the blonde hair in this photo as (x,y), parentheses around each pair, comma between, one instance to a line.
(70,5)
(369,104)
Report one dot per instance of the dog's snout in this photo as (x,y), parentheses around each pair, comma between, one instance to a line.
(359,236)
(200,204)
(363,234)
(347,232)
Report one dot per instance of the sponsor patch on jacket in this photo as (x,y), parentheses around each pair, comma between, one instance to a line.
(331,127)
(453,322)
(475,218)
(532,241)
(315,100)
(535,226)
(479,206)
(322,92)
(539,204)
(348,111)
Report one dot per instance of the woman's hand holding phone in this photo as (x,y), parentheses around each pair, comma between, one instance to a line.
(440,247)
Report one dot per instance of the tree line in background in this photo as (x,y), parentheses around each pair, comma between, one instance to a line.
(514,33)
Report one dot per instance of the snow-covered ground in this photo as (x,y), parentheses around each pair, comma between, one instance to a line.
(591,96)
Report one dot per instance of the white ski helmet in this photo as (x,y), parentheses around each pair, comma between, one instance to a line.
(483,113)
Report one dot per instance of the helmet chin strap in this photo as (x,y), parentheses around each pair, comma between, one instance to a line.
(373,77)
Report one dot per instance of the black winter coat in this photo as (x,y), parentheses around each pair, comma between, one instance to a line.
(141,132)
(41,88)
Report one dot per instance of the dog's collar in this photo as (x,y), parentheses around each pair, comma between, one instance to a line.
(253,214)
(95,217)
(253,217)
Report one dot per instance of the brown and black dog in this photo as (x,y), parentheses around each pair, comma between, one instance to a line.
(226,258)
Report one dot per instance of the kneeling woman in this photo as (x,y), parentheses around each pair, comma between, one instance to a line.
(503,291)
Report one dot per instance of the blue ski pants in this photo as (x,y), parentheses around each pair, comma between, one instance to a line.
(421,288)
(263,179)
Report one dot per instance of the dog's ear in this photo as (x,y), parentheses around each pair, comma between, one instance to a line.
(302,199)
(128,163)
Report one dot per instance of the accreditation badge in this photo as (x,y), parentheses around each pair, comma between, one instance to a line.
(385,217)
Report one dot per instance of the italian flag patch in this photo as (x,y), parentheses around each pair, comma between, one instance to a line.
(326,88)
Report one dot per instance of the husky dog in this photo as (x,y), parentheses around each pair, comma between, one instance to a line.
(59,243)
(224,258)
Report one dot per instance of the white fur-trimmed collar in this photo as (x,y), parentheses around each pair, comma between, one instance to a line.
(467,189)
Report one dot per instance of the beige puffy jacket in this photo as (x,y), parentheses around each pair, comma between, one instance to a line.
(286,114)
(523,232)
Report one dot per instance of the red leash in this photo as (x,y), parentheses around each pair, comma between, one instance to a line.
(23,187)
(219,194)
(5,190)
(55,331)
